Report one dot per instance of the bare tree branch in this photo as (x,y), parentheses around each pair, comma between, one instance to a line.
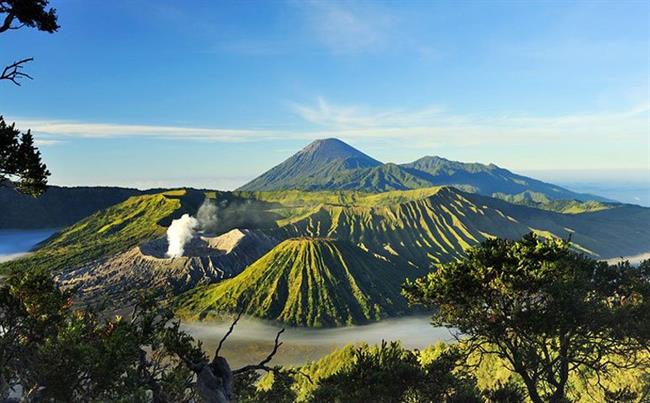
(262,365)
(13,72)
(228,333)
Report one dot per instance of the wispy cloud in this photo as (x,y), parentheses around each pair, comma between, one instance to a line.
(46,142)
(79,129)
(434,124)
(349,116)
(422,127)
(347,27)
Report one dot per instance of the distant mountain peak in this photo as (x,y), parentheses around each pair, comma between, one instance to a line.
(334,149)
(331,164)
(319,163)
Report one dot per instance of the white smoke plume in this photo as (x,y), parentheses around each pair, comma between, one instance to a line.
(207,215)
(179,233)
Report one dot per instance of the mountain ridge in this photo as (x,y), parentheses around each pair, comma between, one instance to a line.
(407,231)
(330,164)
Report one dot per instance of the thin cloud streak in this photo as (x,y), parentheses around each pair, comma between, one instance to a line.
(337,116)
(435,124)
(425,126)
(76,129)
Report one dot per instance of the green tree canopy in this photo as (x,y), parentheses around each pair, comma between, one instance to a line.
(544,309)
(55,351)
(20,161)
(390,373)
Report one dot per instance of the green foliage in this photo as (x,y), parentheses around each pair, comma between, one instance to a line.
(463,375)
(585,386)
(56,353)
(544,309)
(29,13)
(509,392)
(279,388)
(384,373)
(20,161)
(306,282)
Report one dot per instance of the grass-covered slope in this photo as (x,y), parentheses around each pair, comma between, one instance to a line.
(417,228)
(107,232)
(118,228)
(306,282)
(567,206)
(424,227)
(413,228)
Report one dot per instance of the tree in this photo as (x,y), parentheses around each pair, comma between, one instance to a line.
(20,161)
(55,352)
(389,373)
(16,14)
(544,309)
(58,353)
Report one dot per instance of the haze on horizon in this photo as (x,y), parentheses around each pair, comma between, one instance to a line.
(204,94)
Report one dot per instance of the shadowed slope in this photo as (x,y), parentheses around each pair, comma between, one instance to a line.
(59,206)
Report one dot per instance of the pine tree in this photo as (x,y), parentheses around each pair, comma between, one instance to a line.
(20,161)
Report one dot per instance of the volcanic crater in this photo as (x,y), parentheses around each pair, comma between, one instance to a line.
(206,259)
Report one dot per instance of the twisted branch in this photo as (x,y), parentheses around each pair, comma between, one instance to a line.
(262,365)
(232,327)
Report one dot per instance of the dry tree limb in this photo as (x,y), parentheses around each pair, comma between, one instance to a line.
(13,71)
(228,333)
(262,365)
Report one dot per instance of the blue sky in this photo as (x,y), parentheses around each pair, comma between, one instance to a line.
(204,93)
